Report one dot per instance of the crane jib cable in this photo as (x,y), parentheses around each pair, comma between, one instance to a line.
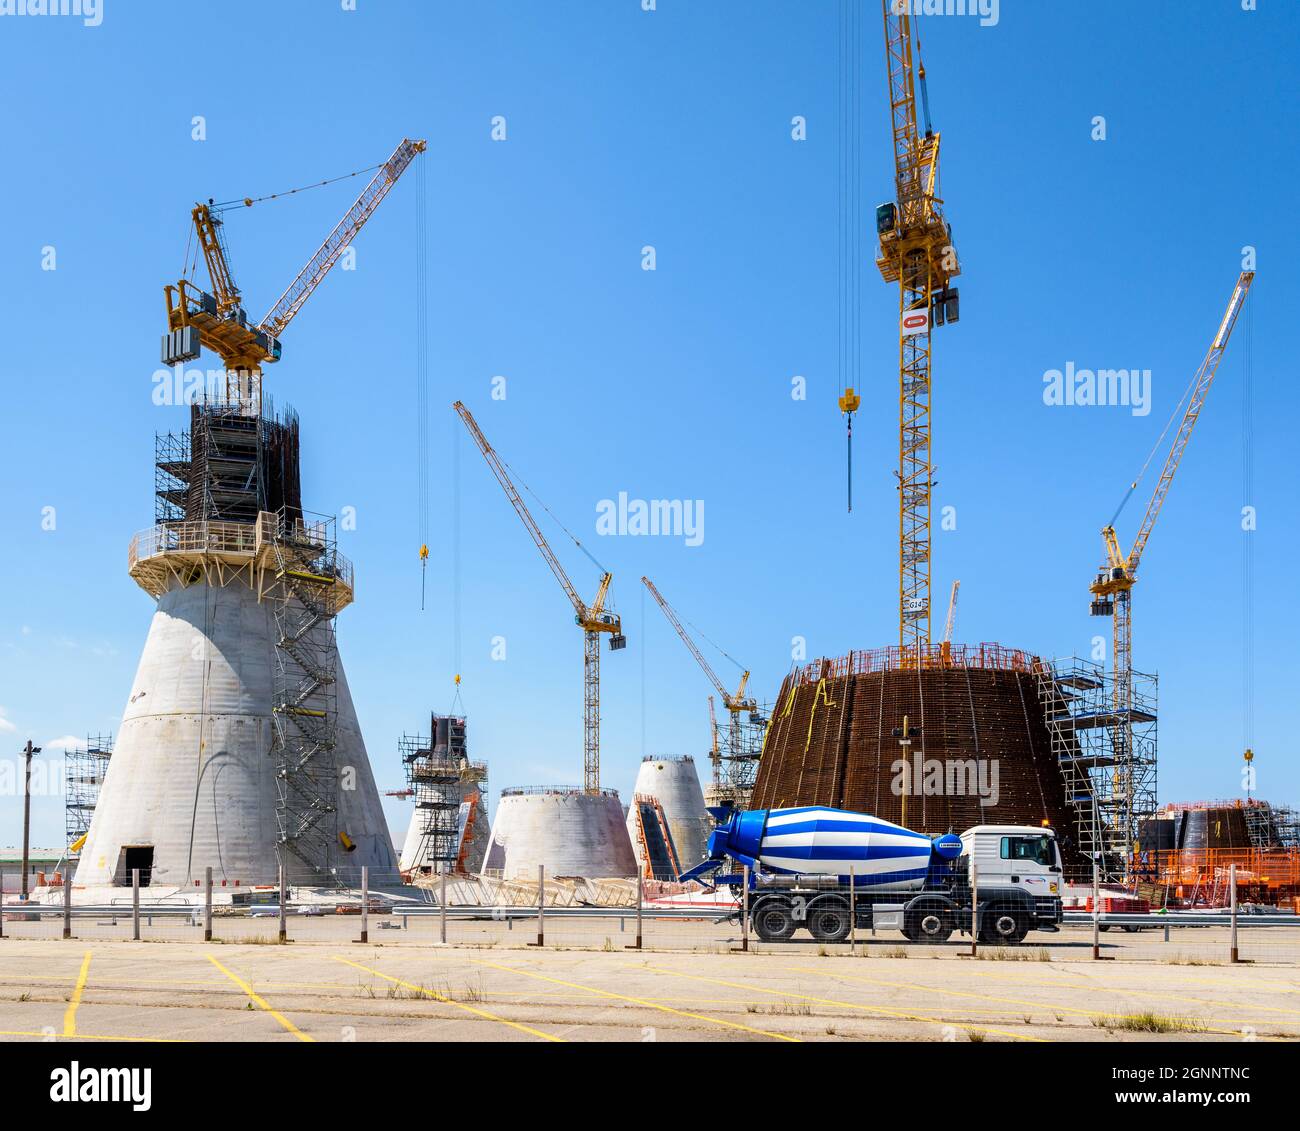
(1175,415)
(248,202)
(422,374)
(719,647)
(537,499)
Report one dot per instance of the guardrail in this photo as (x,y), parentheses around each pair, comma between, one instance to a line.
(1181,919)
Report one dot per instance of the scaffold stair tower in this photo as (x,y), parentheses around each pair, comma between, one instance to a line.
(304,693)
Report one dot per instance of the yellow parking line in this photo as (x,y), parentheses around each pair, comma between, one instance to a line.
(1047,1006)
(448,1001)
(70,1014)
(1161,995)
(88,1037)
(639,1001)
(260,1002)
(853,1005)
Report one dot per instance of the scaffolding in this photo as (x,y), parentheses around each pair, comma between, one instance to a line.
(1109,782)
(308,592)
(228,467)
(444,782)
(1267,826)
(658,853)
(84,770)
(740,747)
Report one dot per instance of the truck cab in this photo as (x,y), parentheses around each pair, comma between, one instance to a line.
(1020,866)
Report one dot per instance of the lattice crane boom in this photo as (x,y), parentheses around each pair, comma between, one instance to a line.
(1112,589)
(197,319)
(277,319)
(1201,383)
(951,622)
(735,703)
(593,619)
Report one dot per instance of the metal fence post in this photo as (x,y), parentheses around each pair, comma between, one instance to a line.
(638,911)
(1096,909)
(365,903)
(207,904)
(284,931)
(67,905)
(744,913)
(442,910)
(974,905)
(135,904)
(853,913)
(2,903)
(541,904)
(1232,898)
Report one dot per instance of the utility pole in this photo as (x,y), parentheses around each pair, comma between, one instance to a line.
(28,751)
(905,734)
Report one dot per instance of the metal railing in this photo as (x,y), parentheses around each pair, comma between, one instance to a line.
(239,539)
(937,656)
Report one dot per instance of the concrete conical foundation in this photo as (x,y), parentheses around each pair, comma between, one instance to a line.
(570,832)
(192,776)
(674,783)
(472,837)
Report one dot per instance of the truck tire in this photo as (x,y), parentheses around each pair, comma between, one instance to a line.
(773,920)
(1004,926)
(829,922)
(927,924)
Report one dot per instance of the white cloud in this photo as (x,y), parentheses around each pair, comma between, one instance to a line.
(66,743)
(6,727)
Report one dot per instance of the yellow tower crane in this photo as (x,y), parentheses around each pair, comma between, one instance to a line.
(217,321)
(1112,590)
(592,619)
(916,252)
(736,703)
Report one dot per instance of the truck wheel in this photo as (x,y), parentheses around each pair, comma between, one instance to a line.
(1004,926)
(774,921)
(928,924)
(829,923)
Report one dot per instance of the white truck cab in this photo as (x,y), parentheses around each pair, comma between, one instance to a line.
(1020,856)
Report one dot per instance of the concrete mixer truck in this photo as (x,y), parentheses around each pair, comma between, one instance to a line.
(808,865)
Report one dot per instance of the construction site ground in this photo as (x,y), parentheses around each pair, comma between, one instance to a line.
(404,986)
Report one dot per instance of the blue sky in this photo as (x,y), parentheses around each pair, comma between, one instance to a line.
(669,128)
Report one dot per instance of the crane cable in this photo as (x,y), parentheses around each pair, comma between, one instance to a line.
(572,537)
(1175,415)
(1247,541)
(249,201)
(422,372)
(849,222)
(715,644)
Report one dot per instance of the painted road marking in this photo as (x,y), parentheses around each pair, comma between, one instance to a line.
(70,1014)
(260,1002)
(1160,995)
(639,1001)
(853,1005)
(1046,1006)
(46,1034)
(448,1001)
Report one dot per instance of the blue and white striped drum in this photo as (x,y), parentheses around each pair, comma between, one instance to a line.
(829,842)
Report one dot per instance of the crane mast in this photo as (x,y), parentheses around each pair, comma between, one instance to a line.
(592,619)
(916,252)
(1112,589)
